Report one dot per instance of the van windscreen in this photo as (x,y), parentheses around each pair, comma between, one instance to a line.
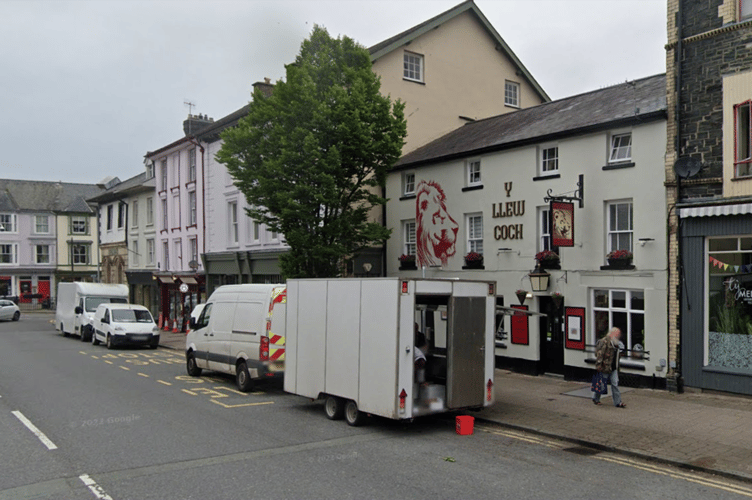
(93,302)
(131,316)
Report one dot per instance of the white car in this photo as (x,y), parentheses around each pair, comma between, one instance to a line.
(9,310)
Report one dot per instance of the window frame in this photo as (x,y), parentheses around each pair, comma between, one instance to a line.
(409,61)
(134,218)
(80,219)
(192,208)
(470,172)
(46,219)
(233,231)
(406,183)
(166,254)
(615,231)
(626,336)
(544,161)
(134,253)
(745,5)
(473,242)
(165,219)
(409,238)
(13,255)
(150,251)
(121,215)
(193,246)
(742,166)
(12,220)
(192,165)
(78,260)
(613,148)
(110,217)
(150,211)
(511,94)
(163,168)
(36,254)
(544,229)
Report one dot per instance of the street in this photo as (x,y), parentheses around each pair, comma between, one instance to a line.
(80,421)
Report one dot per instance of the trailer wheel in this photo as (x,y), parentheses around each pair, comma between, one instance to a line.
(334,408)
(191,366)
(243,378)
(353,416)
(62,329)
(83,334)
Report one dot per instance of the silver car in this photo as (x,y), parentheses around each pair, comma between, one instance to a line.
(9,310)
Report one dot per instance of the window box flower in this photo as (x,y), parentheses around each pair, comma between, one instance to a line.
(473,260)
(620,259)
(548,259)
(407,261)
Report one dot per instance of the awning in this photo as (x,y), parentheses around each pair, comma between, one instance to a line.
(715,210)
(188,280)
(165,279)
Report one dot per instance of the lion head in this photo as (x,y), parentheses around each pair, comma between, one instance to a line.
(436,229)
(562,225)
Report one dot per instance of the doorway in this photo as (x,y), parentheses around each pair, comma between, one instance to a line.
(551,336)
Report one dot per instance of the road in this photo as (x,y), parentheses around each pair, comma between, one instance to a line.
(78,421)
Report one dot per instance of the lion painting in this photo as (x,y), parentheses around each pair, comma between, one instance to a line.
(436,229)
(562,229)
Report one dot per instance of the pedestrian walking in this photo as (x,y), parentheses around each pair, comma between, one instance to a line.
(607,352)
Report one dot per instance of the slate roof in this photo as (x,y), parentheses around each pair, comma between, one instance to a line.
(401,39)
(46,196)
(135,184)
(627,103)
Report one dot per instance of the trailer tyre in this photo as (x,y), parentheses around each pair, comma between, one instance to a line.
(334,408)
(191,366)
(84,331)
(353,416)
(62,329)
(243,378)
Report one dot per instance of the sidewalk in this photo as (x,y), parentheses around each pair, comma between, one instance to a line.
(172,340)
(704,431)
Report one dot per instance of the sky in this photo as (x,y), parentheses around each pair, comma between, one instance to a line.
(87,88)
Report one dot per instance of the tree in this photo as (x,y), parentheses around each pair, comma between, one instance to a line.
(312,158)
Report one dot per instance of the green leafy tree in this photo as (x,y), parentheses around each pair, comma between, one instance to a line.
(312,158)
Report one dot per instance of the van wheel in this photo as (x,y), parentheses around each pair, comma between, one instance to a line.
(243,378)
(108,342)
(94,339)
(334,408)
(191,366)
(353,416)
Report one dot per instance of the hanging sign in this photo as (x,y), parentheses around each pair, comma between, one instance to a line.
(562,224)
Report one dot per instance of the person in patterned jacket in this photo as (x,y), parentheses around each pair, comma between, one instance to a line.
(607,352)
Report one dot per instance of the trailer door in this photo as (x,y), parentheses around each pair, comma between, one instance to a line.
(466,352)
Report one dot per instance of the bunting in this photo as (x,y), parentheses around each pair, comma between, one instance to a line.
(743,269)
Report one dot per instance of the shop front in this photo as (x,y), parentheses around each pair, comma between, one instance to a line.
(716,305)
(179,294)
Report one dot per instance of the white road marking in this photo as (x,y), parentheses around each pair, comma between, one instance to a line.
(94,487)
(44,439)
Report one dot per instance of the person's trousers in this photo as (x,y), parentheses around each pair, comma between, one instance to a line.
(613,379)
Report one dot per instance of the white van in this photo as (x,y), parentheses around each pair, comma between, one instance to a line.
(76,303)
(241,331)
(120,324)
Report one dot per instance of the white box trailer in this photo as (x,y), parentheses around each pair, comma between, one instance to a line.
(77,301)
(351,342)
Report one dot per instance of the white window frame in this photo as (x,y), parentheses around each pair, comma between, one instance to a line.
(233,236)
(255,231)
(36,254)
(110,217)
(134,217)
(193,245)
(166,252)
(474,239)
(618,151)
(473,170)
(548,163)
(149,170)
(45,219)
(192,165)
(9,220)
(743,139)
(134,253)
(745,9)
(408,183)
(13,255)
(79,219)
(511,94)
(76,257)
(177,245)
(544,229)
(165,220)
(163,167)
(192,208)
(150,251)
(176,215)
(409,239)
(121,215)
(619,232)
(150,211)
(626,336)
(413,67)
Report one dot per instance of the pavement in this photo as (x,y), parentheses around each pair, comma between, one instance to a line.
(695,430)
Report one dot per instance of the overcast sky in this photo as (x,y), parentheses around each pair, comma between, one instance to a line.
(88,87)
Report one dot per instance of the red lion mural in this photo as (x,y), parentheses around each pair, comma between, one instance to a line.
(436,229)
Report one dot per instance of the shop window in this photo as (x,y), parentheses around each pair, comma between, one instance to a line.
(728,342)
(624,309)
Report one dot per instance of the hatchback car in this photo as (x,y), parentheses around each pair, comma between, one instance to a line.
(9,310)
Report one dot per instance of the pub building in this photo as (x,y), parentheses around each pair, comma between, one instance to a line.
(582,178)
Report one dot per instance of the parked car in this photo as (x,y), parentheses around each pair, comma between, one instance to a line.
(9,310)
(120,324)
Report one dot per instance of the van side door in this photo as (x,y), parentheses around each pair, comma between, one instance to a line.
(200,335)
(247,329)
(218,355)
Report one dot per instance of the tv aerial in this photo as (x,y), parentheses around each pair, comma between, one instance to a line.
(687,167)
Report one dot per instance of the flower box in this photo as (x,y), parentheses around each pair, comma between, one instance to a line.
(473,260)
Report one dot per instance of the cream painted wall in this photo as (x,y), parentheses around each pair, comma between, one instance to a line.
(64,236)
(464,75)
(643,184)
(737,89)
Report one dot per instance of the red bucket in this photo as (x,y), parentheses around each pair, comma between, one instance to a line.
(465,425)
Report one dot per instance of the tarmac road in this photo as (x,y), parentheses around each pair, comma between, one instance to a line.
(79,421)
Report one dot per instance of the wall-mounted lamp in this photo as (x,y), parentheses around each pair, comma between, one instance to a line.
(645,240)
(539,279)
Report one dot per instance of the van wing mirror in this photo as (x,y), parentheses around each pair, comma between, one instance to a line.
(192,323)
(78,310)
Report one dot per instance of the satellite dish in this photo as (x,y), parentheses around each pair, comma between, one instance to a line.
(193,265)
(687,166)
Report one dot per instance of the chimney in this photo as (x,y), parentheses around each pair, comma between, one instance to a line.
(196,123)
(266,87)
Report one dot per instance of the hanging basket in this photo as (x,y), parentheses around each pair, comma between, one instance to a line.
(521,295)
(558,300)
